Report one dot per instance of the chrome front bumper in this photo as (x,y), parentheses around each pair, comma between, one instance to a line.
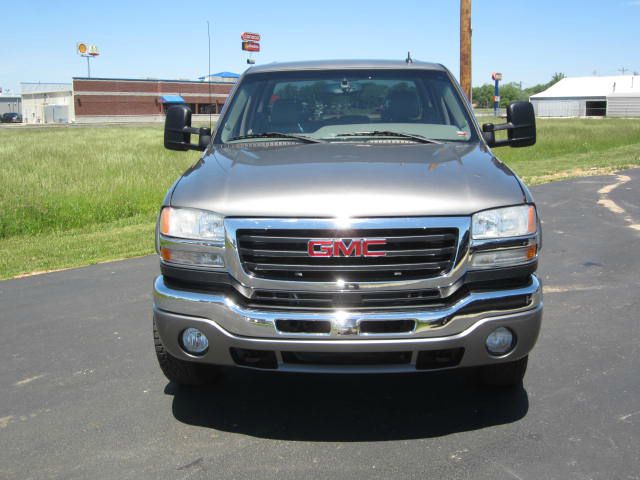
(230,326)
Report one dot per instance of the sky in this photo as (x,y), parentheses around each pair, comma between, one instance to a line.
(526,40)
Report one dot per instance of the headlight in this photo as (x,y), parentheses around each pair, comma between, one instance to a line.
(191,237)
(192,224)
(504,222)
(501,227)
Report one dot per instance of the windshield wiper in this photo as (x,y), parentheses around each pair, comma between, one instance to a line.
(388,133)
(291,136)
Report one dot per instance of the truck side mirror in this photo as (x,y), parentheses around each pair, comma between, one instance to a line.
(178,130)
(520,126)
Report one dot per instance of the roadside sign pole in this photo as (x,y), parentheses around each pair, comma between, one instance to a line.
(496,77)
(87,51)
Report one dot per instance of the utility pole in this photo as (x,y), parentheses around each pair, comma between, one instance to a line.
(465,47)
(623,70)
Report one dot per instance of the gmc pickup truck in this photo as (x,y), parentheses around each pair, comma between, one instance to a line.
(348,217)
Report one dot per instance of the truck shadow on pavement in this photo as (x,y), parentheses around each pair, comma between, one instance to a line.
(347,408)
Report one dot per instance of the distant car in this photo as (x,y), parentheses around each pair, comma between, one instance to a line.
(11,117)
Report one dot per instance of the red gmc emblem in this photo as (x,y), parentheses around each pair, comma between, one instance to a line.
(345,247)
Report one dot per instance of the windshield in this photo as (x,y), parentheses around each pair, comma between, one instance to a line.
(335,105)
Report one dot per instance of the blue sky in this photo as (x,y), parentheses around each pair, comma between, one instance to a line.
(527,40)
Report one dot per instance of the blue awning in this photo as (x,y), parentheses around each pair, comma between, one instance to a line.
(220,75)
(226,75)
(172,99)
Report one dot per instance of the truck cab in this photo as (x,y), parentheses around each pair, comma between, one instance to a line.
(347,217)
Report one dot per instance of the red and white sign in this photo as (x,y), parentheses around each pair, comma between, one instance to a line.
(250,46)
(250,37)
(345,247)
(496,76)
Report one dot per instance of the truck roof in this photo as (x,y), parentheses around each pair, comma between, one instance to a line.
(343,64)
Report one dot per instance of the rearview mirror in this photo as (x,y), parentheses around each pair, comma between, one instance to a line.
(520,126)
(178,130)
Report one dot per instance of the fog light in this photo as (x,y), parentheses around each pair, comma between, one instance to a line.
(194,341)
(500,341)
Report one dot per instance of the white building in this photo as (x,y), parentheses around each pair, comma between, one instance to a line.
(47,102)
(590,96)
(10,103)
(625,100)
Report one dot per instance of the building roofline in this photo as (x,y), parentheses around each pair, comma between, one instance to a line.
(105,79)
(45,83)
(577,97)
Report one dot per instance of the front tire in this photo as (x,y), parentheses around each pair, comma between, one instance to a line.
(508,374)
(180,371)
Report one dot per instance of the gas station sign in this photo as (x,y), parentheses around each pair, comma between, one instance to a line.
(250,46)
(250,37)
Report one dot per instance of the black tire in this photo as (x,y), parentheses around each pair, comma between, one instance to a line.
(182,372)
(508,374)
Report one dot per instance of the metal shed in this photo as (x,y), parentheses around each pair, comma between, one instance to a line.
(624,101)
(623,104)
(584,96)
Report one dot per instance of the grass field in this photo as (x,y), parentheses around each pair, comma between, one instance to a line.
(75,196)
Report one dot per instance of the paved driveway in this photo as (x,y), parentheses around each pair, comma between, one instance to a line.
(81,395)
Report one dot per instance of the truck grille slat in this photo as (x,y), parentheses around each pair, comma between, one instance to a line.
(282,254)
(302,300)
(267,267)
(424,252)
(262,239)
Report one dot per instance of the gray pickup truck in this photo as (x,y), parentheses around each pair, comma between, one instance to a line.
(347,217)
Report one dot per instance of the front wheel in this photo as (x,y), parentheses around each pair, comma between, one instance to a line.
(508,374)
(180,371)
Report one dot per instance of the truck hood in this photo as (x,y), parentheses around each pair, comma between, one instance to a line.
(348,180)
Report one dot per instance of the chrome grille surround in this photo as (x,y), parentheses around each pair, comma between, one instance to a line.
(443,280)
(429,322)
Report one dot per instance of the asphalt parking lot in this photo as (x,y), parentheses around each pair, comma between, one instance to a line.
(81,395)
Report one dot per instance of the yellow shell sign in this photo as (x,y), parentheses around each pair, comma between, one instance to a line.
(85,49)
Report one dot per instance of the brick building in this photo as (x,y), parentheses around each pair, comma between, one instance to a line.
(122,99)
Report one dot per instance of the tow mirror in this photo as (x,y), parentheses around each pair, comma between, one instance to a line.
(178,130)
(520,127)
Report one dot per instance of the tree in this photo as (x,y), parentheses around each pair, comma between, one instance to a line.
(556,78)
(483,95)
(541,87)
(510,92)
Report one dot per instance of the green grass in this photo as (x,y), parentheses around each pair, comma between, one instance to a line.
(75,196)
(575,147)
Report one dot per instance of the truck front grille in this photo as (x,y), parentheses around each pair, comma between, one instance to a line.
(410,254)
(345,300)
